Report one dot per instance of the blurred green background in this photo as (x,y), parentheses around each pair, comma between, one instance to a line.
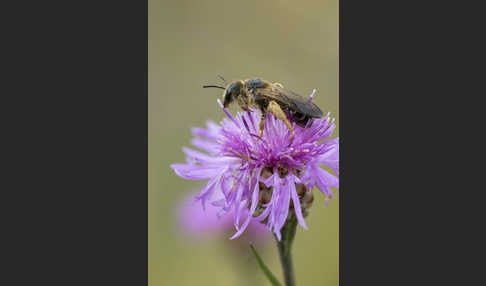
(292,42)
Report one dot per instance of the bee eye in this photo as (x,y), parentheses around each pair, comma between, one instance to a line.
(227,97)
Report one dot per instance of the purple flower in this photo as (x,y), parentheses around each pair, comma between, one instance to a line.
(199,223)
(267,176)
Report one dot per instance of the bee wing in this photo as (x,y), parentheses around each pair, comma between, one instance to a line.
(294,101)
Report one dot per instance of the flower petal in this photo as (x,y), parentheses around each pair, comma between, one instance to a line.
(296,200)
(206,145)
(208,191)
(254,203)
(197,172)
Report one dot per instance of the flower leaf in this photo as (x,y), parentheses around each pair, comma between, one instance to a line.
(265,269)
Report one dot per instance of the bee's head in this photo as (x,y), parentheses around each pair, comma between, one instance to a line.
(231,92)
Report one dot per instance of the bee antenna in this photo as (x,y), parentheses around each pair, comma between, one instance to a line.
(216,86)
(222,78)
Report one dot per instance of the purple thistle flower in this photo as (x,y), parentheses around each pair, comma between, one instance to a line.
(269,176)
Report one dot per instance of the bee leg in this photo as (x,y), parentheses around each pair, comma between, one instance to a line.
(275,109)
(262,122)
(279,84)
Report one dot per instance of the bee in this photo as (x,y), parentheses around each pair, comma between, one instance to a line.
(271,98)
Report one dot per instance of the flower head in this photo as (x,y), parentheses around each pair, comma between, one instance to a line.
(262,178)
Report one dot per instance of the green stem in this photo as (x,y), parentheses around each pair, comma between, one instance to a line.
(284,249)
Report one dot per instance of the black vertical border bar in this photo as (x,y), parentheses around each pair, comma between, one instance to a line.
(408,131)
(119,222)
(374,243)
(77,104)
